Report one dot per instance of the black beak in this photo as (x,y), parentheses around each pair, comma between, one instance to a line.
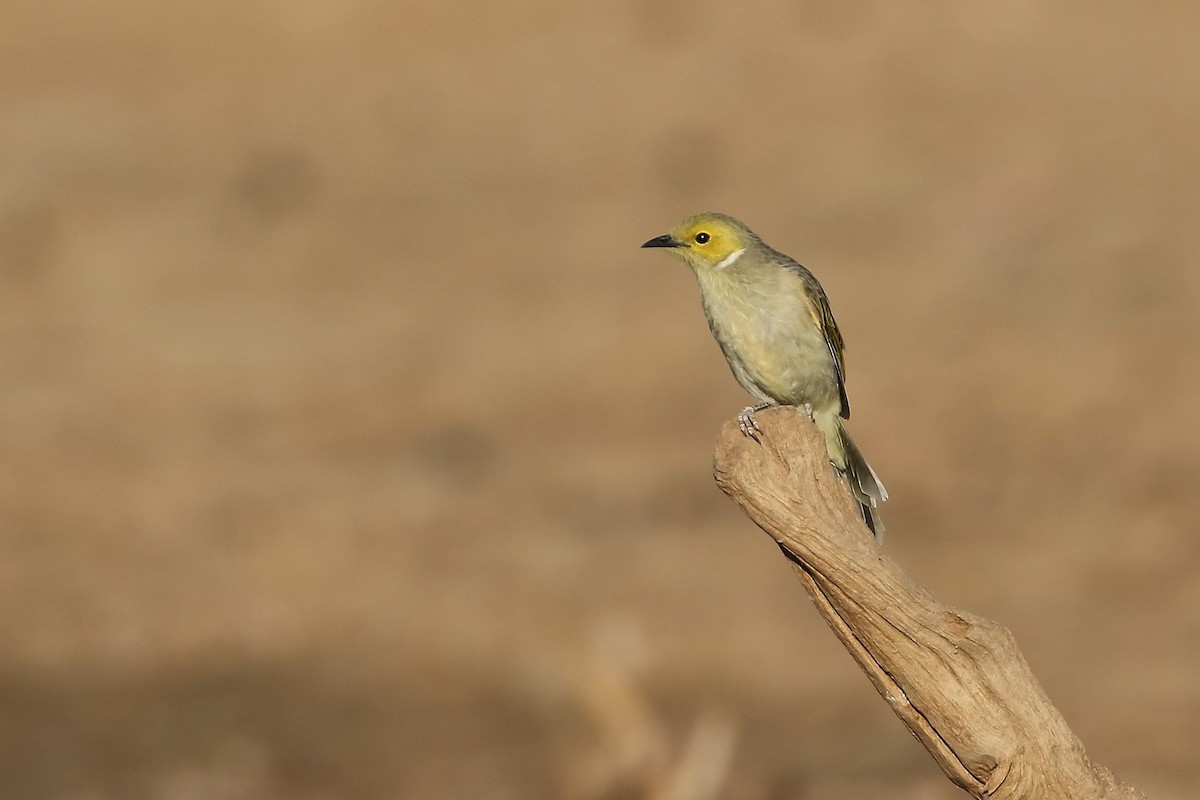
(663,241)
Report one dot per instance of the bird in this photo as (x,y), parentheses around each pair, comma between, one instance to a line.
(772,320)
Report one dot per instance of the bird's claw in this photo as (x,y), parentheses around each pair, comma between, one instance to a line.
(747,424)
(808,409)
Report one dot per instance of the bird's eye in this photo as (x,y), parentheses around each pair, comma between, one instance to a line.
(702,237)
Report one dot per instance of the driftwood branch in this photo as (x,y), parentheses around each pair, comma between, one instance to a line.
(956,680)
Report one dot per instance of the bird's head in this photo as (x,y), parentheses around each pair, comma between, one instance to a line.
(709,241)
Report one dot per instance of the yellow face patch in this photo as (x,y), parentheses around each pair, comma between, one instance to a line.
(710,239)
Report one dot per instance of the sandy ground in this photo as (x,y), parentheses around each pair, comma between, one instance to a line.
(352,449)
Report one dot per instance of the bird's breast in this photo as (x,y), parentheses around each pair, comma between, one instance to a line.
(772,339)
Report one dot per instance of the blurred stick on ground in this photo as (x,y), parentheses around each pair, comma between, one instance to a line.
(957,681)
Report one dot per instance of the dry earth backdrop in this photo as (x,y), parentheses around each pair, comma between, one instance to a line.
(347,438)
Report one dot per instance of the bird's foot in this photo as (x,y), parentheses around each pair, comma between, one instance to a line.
(747,424)
(808,409)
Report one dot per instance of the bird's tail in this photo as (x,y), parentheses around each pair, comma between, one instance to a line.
(864,483)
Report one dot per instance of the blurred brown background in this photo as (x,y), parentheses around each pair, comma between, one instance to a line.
(352,449)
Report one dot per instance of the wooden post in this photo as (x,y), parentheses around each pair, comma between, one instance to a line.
(956,680)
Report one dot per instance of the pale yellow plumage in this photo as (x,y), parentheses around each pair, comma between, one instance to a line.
(773,322)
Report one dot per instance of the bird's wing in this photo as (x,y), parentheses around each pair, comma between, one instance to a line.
(837,348)
(823,317)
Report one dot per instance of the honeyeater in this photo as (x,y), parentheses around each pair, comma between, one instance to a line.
(773,322)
